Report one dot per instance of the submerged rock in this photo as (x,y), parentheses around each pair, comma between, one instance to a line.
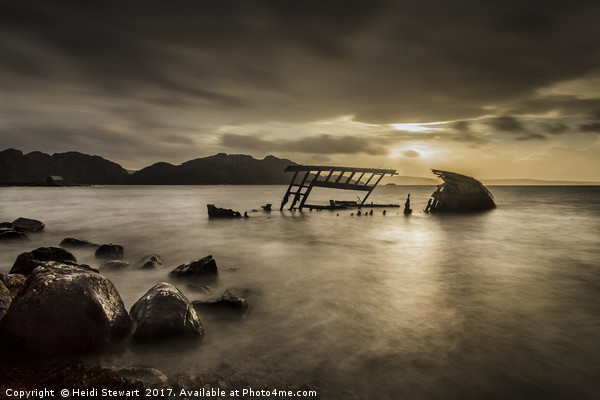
(72,242)
(459,193)
(151,261)
(65,309)
(164,313)
(205,267)
(231,300)
(27,225)
(216,212)
(27,262)
(114,264)
(110,252)
(11,234)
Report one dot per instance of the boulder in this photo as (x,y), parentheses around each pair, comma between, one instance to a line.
(65,309)
(231,300)
(9,287)
(27,262)
(27,225)
(151,261)
(11,234)
(77,243)
(150,377)
(110,252)
(165,313)
(114,264)
(205,267)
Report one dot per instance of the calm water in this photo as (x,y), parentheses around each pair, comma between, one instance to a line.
(499,305)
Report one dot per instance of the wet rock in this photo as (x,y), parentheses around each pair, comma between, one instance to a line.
(216,212)
(151,261)
(205,267)
(164,313)
(13,282)
(65,309)
(110,252)
(231,300)
(27,225)
(5,299)
(77,243)
(27,262)
(150,377)
(11,234)
(114,264)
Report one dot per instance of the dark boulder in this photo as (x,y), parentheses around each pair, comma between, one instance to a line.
(216,212)
(114,264)
(231,300)
(9,287)
(77,243)
(164,313)
(110,252)
(27,225)
(205,267)
(151,261)
(150,377)
(11,234)
(65,309)
(27,262)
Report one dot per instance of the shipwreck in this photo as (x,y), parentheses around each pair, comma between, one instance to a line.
(307,177)
(459,193)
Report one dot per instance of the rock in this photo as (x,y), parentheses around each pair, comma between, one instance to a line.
(72,242)
(65,309)
(27,225)
(11,234)
(5,299)
(151,261)
(151,377)
(114,264)
(165,313)
(27,262)
(13,282)
(216,212)
(230,301)
(204,267)
(110,252)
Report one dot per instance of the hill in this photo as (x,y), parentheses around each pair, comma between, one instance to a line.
(74,167)
(229,169)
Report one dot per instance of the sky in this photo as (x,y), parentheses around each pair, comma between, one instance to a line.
(492,89)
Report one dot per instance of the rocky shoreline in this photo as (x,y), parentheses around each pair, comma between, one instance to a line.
(56,313)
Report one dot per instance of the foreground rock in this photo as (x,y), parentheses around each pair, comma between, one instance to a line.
(230,301)
(205,267)
(151,261)
(11,234)
(27,225)
(114,264)
(65,309)
(164,313)
(110,252)
(216,212)
(27,262)
(9,287)
(77,243)
(147,375)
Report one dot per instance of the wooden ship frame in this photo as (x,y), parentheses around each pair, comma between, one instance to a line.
(306,177)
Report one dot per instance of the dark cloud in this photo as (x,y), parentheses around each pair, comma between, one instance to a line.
(323,144)
(506,124)
(555,128)
(593,127)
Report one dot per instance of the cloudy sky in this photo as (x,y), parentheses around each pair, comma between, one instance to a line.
(493,89)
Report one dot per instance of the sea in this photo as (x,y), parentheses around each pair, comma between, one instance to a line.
(503,304)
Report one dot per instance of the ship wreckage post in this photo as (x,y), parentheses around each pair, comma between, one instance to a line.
(308,176)
(459,193)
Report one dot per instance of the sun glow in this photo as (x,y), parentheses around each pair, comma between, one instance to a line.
(416,127)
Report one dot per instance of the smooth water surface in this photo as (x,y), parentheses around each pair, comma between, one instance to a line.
(497,305)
